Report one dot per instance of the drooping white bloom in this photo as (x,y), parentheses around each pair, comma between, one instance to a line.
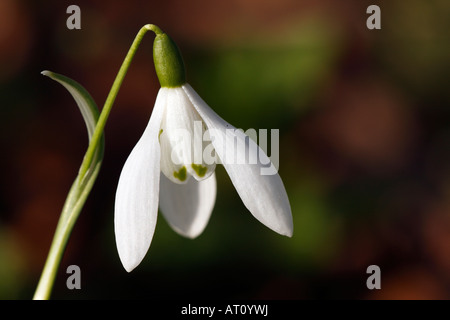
(162,171)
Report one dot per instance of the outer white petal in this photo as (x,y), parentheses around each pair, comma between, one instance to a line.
(137,195)
(263,195)
(187,207)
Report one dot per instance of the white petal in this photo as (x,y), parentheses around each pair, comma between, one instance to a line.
(187,208)
(137,194)
(263,195)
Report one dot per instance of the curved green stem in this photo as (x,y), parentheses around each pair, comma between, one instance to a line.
(89,169)
(113,94)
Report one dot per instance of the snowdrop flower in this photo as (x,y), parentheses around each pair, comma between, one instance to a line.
(155,174)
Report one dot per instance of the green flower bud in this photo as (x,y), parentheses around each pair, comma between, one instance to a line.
(169,64)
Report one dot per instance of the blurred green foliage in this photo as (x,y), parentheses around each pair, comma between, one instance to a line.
(262,83)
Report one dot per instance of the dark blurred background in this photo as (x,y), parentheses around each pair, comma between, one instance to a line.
(364,132)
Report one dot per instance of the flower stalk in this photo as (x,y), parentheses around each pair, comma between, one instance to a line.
(90,166)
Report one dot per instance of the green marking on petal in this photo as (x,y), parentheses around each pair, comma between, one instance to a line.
(181,174)
(199,169)
(159,134)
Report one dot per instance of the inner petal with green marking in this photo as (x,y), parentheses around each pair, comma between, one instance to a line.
(183,139)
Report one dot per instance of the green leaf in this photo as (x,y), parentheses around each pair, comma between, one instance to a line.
(84,100)
(80,188)
(88,109)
